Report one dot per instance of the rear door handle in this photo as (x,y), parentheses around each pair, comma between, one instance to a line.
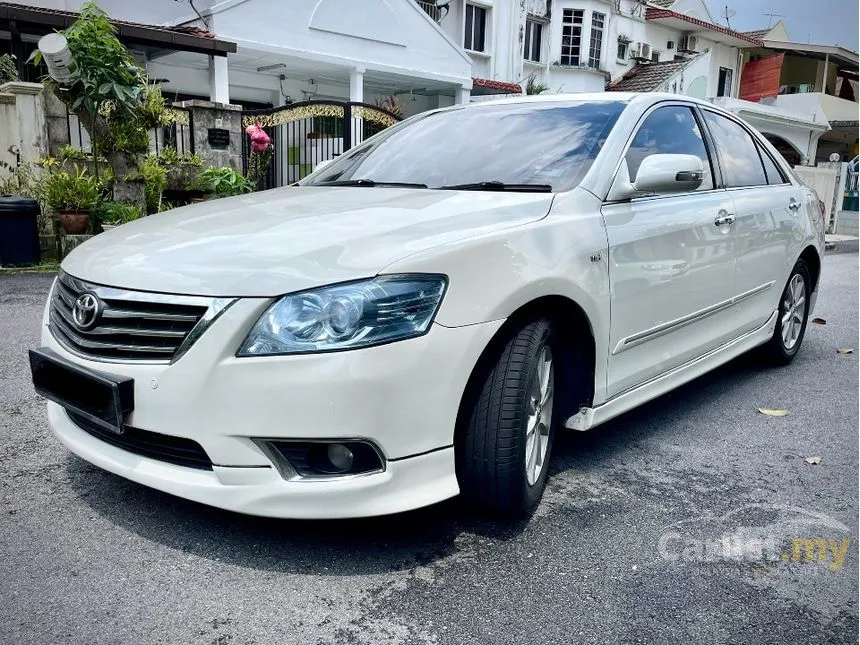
(793,204)
(724,219)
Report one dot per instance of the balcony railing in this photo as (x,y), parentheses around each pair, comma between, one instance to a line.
(431,9)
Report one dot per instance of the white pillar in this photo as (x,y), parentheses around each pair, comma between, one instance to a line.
(219,82)
(356,85)
(356,95)
(463,95)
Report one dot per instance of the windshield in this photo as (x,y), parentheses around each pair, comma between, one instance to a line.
(545,144)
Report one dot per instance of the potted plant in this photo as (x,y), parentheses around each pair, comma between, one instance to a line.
(112,214)
(72,196)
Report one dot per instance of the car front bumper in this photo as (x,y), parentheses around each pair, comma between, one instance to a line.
(403,397)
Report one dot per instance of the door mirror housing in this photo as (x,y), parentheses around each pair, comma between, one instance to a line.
(659,174)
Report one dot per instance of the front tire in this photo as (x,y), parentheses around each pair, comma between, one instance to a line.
(792,317)
(504,448)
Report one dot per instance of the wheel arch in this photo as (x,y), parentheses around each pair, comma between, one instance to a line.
(813,261)
(574,338)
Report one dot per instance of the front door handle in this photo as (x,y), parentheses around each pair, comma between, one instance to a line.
(793,204)
(724,219)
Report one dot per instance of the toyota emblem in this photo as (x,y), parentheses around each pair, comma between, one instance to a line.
(86,311)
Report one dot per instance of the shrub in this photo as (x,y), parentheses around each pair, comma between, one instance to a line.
(223,182)
(71,192)
(117,213)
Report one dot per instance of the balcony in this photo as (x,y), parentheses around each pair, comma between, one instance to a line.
(431,9)
(834,108)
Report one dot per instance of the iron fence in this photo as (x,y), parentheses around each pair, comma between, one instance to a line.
(179,134)
(307,133)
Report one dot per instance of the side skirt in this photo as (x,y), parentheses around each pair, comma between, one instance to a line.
(588,418)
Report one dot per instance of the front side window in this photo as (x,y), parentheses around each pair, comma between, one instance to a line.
(531,143)
(532,44)
(670,130)
(595,48)
(739,158)
(571,36)
(476,28)
(621,54)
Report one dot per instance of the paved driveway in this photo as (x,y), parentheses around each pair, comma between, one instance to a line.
(673,524)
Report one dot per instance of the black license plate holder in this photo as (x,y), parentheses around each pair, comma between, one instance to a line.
(102,398)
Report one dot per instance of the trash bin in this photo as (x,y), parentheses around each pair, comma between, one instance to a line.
(19,231)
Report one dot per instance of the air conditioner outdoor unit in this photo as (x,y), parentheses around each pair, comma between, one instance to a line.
(688,44)
(641,51)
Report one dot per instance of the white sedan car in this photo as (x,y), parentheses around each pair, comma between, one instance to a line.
(418,318)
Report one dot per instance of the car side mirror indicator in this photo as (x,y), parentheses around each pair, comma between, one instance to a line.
(659,174)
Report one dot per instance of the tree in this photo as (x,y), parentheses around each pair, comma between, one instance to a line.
(110,94)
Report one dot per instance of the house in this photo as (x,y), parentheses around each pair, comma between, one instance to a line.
(671,46)
(285,50)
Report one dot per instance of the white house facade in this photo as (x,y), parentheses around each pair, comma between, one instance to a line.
(293,50)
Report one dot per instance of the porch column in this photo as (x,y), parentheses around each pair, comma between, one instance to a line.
(356,95)
(356,85)
(219,83)
(463,95)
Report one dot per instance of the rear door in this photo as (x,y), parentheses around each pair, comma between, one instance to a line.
(671,268)
(766,227)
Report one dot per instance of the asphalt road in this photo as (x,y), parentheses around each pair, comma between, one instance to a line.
(672,524)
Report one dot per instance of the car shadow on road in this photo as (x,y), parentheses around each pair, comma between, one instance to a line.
(360,546)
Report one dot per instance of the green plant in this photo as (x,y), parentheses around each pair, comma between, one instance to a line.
(191,159)
(110,95)
(117,213)
(223,182)
(8,69)
(534,86)
(168,157)
(154,178)
(70,153)
(71,192)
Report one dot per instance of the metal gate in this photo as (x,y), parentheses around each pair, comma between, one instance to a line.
(306,133)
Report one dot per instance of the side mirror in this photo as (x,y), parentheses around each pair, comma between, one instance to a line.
(660,174)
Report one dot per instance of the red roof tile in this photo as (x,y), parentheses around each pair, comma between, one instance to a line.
(503,87)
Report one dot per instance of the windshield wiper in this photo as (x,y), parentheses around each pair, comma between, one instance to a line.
(500,186)
(369,183)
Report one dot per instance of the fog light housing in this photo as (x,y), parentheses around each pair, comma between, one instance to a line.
(323,459)
(340,457)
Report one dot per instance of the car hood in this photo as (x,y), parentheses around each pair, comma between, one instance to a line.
(292,238)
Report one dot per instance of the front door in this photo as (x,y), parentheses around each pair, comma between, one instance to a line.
(671,265)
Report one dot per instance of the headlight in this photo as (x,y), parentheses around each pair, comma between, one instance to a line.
(347,316)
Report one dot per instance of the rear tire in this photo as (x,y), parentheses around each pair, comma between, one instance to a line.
(504,447)
(791,318)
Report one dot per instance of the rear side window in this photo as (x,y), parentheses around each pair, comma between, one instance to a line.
(774,174)
(741,163)
(669,130)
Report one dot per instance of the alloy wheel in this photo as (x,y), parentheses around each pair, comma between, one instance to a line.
(539,412)
(793,311)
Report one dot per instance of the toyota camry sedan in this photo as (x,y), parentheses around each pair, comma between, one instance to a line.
(418,318)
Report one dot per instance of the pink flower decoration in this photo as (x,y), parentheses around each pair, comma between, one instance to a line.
(251,129)
(259,140)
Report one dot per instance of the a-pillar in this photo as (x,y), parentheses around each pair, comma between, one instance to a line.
(219,80)
(356,95)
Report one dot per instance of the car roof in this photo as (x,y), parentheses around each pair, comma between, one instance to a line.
(621,97)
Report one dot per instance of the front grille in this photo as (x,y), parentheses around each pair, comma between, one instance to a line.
(173,450)
(130,326)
